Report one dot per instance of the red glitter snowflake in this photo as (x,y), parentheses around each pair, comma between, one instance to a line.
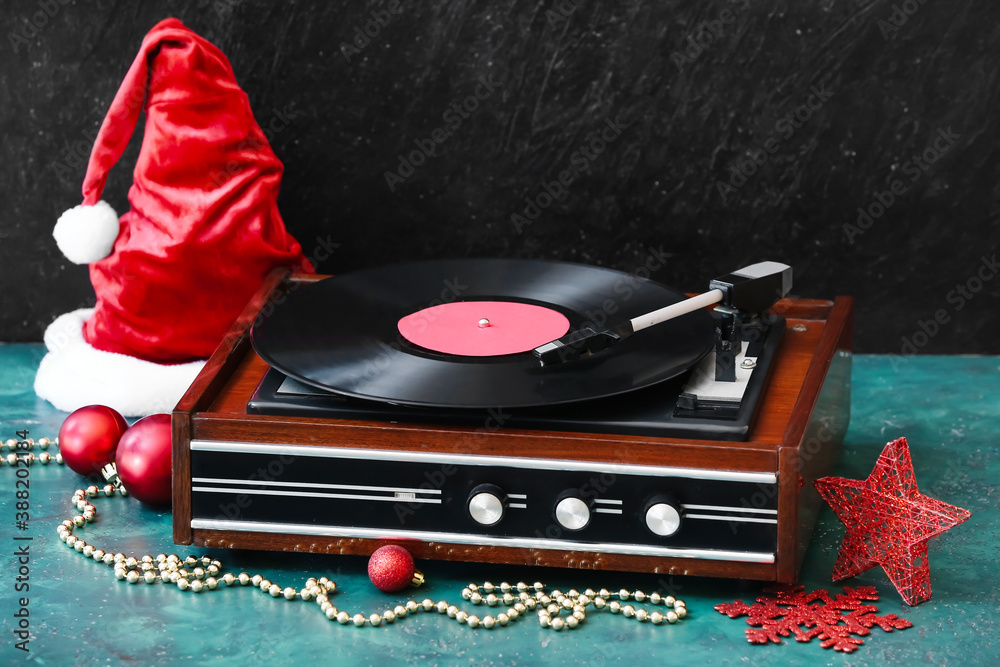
(790,611)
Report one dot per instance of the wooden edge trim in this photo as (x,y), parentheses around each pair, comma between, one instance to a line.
(180,427)
(308,277)
(837,335)
(786,562)
(518,556)
(838,324)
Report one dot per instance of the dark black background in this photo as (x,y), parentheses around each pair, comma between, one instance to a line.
(563,69)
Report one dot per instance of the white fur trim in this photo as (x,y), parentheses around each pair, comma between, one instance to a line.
(74,374)
(86,234)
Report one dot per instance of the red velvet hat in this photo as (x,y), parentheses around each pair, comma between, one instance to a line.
(203,229)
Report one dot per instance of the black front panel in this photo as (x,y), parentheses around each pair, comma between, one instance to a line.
(342,495)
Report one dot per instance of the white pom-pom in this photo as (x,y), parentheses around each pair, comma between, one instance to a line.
(86,234)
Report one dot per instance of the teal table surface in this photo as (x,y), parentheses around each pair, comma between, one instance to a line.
(947,407)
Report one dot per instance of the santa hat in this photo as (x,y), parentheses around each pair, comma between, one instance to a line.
(203,230)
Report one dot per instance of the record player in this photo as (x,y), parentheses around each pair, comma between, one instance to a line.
(519,412)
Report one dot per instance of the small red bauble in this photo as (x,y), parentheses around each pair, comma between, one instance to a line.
(391,569)
(144,460)
(88,438)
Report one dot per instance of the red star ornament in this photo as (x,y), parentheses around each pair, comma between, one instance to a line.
(889,522)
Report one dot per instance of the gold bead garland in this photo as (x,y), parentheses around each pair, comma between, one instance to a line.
(201,574)
(29,457)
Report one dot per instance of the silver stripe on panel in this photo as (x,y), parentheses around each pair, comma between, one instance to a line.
(429,536)
(470,459)
(311,485)
(310,494)
(734,519)
(723,508)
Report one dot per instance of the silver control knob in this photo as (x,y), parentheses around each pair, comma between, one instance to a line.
(663,519)
(572,513)
(487,504)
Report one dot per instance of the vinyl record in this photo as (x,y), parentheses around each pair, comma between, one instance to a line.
(343,334)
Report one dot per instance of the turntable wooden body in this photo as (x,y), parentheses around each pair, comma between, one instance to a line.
(795,439)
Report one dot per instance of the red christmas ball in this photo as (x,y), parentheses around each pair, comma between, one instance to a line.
(145,460)
(391,569)
(89,436)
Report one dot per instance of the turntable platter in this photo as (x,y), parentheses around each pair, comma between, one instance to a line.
(357,334)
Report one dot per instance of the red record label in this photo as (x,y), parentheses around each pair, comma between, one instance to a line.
(483,328)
